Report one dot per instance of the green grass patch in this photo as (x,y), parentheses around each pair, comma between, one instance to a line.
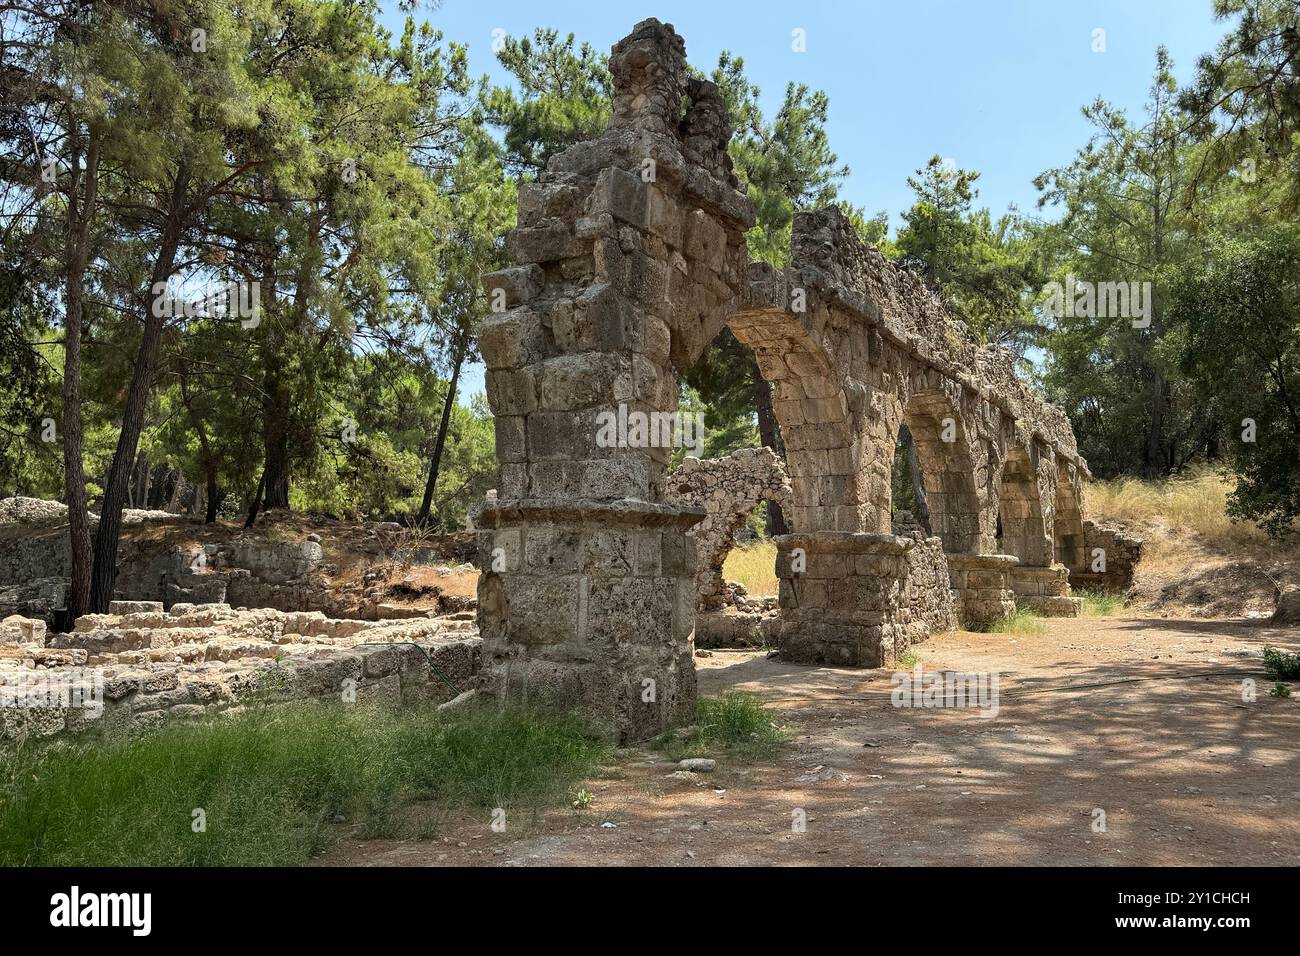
(1280,665)
(1100,603)
(273,783)
(1023,621)
(733,723)
(907,662)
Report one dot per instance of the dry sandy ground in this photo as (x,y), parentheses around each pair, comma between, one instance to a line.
(1141,718)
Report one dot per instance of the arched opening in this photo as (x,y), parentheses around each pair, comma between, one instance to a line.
(1023,529)
(934,473)
(818,413)
(731,490)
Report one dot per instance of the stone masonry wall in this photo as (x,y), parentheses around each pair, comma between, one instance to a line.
(189,563)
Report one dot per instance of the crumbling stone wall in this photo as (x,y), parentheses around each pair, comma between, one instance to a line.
(1121,552)
(258,572)
(629,254)
(35,597)
(271,566)
(38,511)
(35,561)
(728,489)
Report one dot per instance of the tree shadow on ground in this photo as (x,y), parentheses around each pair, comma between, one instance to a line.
(1185,769)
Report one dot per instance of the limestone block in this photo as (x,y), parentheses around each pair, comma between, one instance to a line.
(511,339)
(22,630)
(517,285)
(548,242)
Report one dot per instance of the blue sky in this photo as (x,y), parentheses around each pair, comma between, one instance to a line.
(995,85)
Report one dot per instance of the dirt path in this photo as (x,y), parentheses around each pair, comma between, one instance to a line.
(1186,773)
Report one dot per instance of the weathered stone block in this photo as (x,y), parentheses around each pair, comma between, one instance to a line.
(541,610)
(579,381)
(511,444)
(511,339)
(549,242)
(552,550)
(559,436)
(610,552)
(511,391)
(623,195)
(516,286)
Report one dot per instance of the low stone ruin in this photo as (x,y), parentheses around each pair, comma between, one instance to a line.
(179,561)
(1286,610)
(37,511)
(1110,558)
(728,489)
(173,646)
(140,666)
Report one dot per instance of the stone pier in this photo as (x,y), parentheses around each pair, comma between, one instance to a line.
(628,258)
(1045,591)
(859,599)
(593,604)
(982,587)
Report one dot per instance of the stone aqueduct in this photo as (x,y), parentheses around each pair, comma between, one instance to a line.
(629,257)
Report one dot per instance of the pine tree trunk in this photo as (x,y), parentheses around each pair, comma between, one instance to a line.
(278,407)
(918,483)
(80,215)
(276,464)
(435,463)
(213,495)
(255,503)
(143,481)
(104,576)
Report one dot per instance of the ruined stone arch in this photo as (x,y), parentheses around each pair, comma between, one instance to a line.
(817,408)
(728,489)
(629,257)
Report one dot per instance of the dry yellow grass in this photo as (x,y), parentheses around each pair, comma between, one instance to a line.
(754,566)
(1195,559)
(1196,503)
